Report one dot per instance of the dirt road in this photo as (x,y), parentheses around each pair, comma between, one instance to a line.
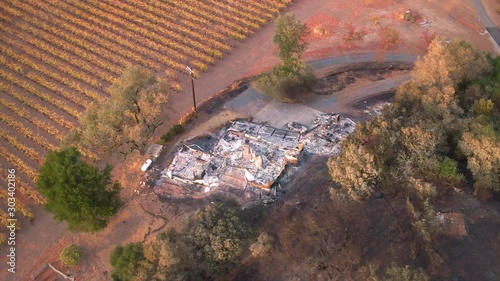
(344,100)
(264,109)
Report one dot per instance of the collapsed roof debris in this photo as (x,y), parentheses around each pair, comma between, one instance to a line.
(248,158)
(326,137)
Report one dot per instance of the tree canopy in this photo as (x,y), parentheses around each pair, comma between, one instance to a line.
(289,36)
(78,193)
(446,117)
(291,80)
(129,117)
(126,261)
(216,235)
(445,111)
(209,246)
(443,116)
(288,82)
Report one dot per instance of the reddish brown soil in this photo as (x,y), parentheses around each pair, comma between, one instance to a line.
(42,241)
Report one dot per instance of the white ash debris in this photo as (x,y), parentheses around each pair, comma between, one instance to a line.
(247,158)
(376,109)
(326,137)
(245,155)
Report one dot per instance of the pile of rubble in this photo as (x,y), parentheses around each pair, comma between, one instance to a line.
(326,137)
(249,158)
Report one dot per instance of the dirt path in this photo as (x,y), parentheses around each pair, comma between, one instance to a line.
(258,53)
(344,100)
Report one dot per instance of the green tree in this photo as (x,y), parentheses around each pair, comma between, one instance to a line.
(448,169)
(77,192)
(71,255)
(289,36)
(126,261)
(216,237)
(128,118)
(291,80)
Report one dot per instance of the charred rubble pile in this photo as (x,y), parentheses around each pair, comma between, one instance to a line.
(248,159)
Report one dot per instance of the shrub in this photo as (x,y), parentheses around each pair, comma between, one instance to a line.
(392,273)
(126,261)
(263,245)
(389,37)
(448,169)
(351,36)
(71,255)
(405,273)
(171,133)
(216,236)
(289,82)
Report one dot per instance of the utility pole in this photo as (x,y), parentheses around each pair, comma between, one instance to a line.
(191,72)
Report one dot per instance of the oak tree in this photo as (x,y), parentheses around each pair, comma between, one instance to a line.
(78,193)
(291,80)
(129,117)
(289,36)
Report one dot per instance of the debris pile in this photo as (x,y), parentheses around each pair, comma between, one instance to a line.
(326,137)
(453,223)
(425,23)
(247,159)
(410,16)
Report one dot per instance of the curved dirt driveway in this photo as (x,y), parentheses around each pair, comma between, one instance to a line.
(336,102)
(342,101)
(263,109)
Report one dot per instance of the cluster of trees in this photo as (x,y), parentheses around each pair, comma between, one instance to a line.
(447,115)
(128,118)
(291,79)
(81,194)
(210,245)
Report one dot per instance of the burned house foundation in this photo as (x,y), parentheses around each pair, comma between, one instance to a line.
(247,159)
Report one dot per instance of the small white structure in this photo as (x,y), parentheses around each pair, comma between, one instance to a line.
(146,165)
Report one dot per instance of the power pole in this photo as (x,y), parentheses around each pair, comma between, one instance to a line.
(191,72)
